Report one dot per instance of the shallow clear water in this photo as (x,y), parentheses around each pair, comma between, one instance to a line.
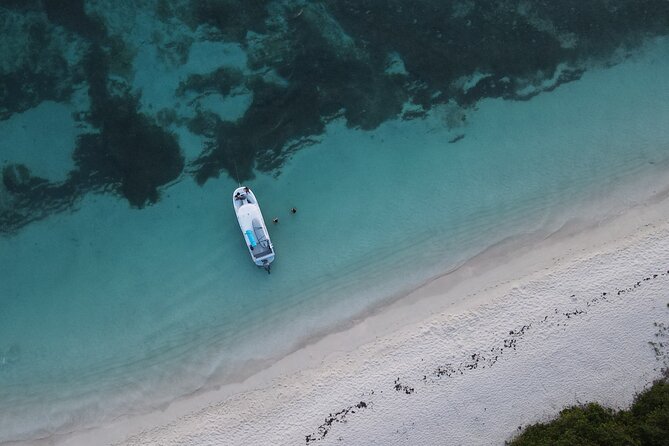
(106,307)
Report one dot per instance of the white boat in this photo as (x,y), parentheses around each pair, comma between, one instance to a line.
(253,227)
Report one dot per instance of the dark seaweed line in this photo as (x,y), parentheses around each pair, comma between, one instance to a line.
(338,417)
(490,358)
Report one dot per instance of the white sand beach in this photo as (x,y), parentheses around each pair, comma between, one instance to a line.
(508,339)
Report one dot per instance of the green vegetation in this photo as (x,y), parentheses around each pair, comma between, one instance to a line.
(646,423)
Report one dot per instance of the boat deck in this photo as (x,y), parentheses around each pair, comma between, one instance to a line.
(263,247)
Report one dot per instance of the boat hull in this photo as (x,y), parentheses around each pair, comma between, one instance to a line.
(253,227)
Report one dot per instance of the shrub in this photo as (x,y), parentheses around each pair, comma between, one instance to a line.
(646,423)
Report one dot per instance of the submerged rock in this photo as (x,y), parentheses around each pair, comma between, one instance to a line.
(16,178)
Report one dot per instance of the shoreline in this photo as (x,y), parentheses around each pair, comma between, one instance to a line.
(448,295)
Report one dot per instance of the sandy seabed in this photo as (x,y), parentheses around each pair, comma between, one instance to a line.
(507,339)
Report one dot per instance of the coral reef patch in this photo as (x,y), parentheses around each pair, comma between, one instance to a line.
(341,58)
(131,152)
(304,64)
(124,151)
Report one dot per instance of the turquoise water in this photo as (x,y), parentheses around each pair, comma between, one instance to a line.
(108,308)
